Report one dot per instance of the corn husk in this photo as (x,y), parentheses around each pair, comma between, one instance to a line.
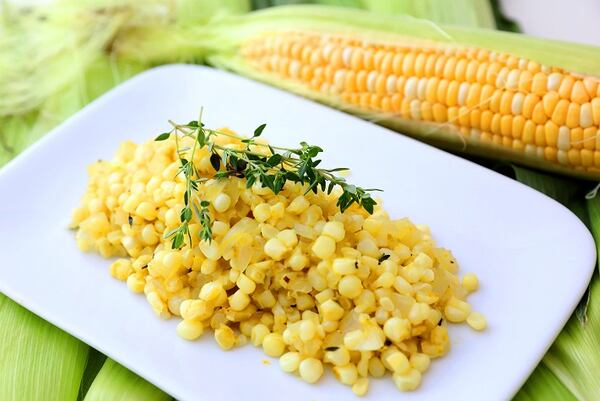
(468,13)
(116,383)
(38,362)
(475,13)
(544,385)
(20,130)
(56,59)
(46,49)
(94,363)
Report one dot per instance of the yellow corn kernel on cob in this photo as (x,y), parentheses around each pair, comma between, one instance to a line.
(489,93)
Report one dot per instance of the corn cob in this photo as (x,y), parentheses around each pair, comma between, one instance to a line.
(489,93)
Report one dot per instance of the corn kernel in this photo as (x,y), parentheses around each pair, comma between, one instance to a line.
(470,282)
(408,381)
(290,361)
(298,205)
(245,284)
(258,334)
(146,210)
(350,286)
(361,386)
(338,357)
(346,374)
(308,330)
(225,337)
(190,329)
(135,283)
(324,247)
(311,370)
(239,300)
(211,291)
(397,329)
(398,362)
(420,362)
(331,310)
(335,230)
(273,344)
(344,266)
(477,321)
(376,367)
(288,238)
(222,202)
(275,249)
(262,212)
(457,311)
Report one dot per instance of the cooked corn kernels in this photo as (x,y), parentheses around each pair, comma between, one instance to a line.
(362,294)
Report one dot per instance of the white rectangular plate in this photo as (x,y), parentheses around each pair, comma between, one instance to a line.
(534,257)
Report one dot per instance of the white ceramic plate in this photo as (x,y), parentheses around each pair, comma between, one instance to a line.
(534,257)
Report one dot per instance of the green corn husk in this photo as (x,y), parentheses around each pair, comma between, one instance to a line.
(116,383)
(72,63)
(543,385)
(21,130)
(38,362)
(93,365)
(45,49)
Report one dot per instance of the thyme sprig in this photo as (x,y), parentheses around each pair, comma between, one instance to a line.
(271,170)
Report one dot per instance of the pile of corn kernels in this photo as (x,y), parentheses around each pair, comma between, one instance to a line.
(363,294)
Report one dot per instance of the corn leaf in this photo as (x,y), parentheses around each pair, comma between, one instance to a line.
(116,383)
(543,385)
(94,363)
(38,362)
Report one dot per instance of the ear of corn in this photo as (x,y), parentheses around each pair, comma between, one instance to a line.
(489,93)
(116,383)
(38,362)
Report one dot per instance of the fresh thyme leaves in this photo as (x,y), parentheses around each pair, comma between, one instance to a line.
(272,170)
